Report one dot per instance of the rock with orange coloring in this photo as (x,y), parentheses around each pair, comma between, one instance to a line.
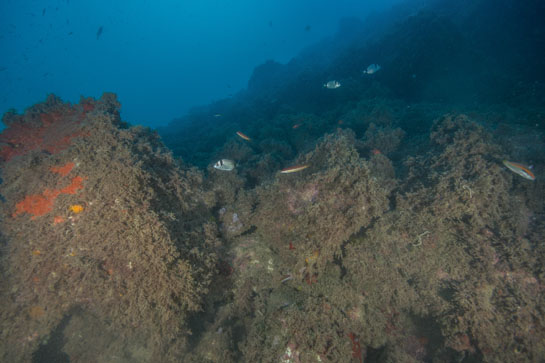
(58,219)
(140,260)
(76,208)
(41,204)
(63,170)
(49,127)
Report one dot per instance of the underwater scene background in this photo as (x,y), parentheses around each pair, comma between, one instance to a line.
(338,182)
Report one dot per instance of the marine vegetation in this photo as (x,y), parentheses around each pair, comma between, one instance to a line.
(398,218)
(103,228)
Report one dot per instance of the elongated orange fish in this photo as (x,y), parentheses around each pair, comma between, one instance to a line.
(294,169)
(520,170)
(243,136)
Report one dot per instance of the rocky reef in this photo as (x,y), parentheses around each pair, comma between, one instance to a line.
(436,257)
(101,227)
(398,244)
(375,222)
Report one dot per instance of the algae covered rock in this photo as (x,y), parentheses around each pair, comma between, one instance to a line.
(456,262)
(307,216)
(100,220)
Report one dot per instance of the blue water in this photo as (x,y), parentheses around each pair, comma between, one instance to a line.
(161,58)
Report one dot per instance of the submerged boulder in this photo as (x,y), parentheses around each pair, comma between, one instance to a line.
(102,229)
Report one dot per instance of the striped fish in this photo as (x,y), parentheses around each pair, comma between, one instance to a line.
(241,135)
(225,164)
(294,169)
(519,169)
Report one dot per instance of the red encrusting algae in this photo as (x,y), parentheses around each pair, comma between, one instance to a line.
(52,131)
(356,347)
(58,219)
(40,204)
(87,106)
(63,170)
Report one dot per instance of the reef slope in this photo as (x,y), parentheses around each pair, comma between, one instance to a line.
(104,235)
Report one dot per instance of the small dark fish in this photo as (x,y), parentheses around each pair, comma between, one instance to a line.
(3,68)
(307,28)
(70,33)
(99,32)
(270,23)
(43,12)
